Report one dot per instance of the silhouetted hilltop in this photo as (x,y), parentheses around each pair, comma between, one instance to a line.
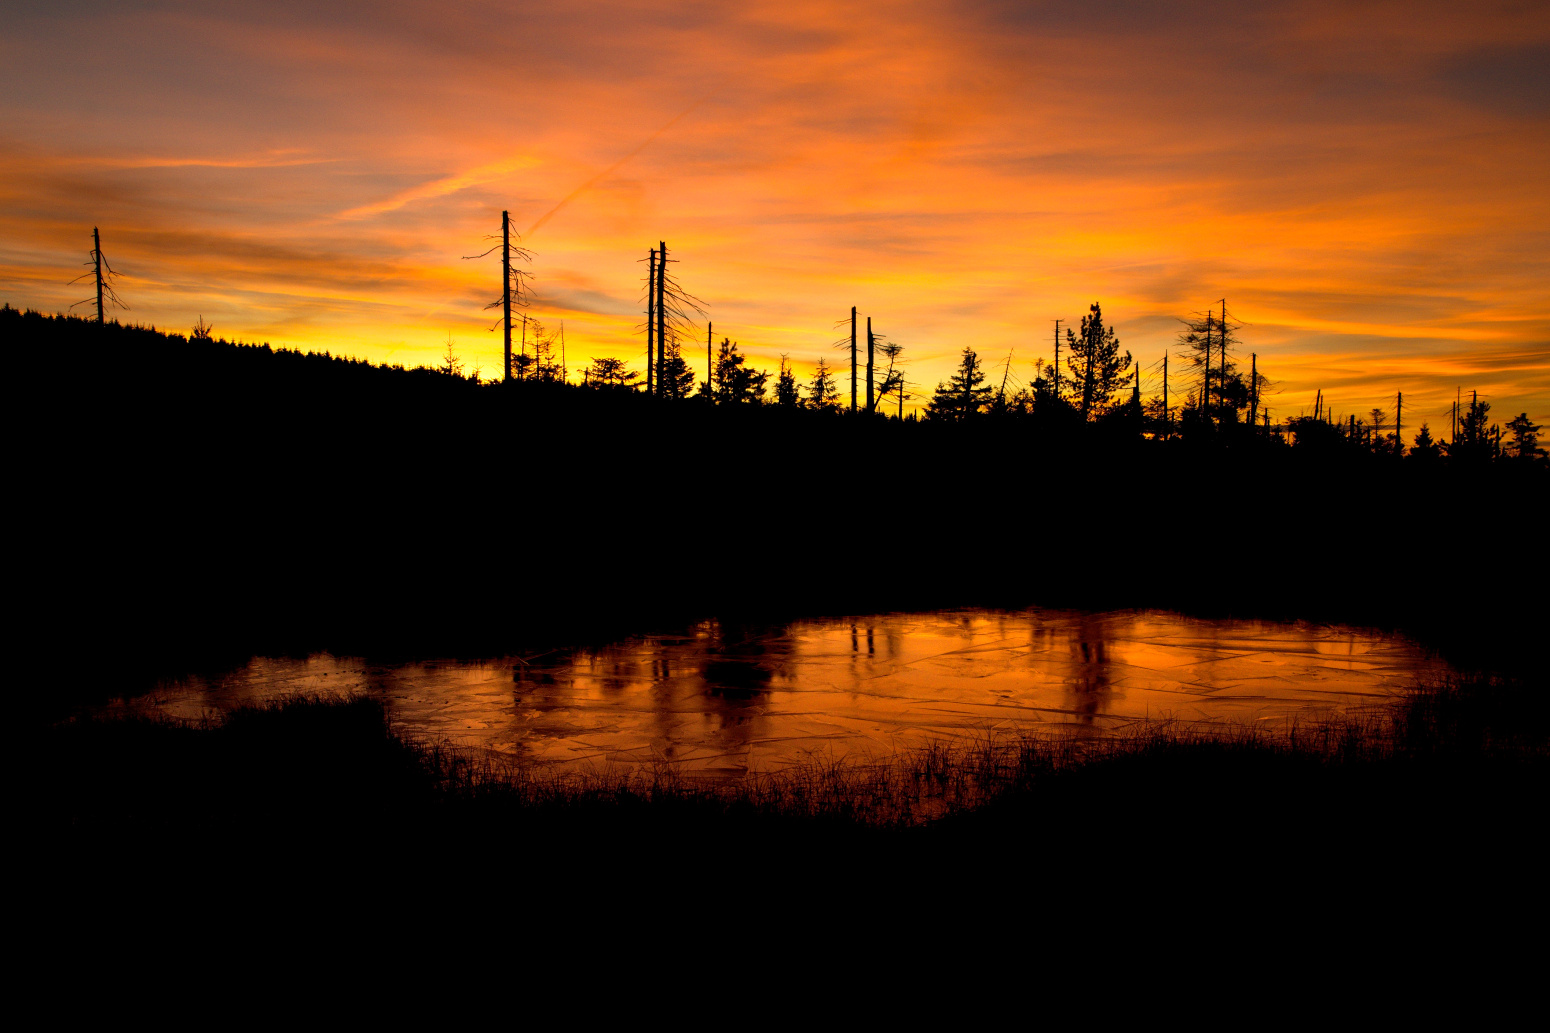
(198,499)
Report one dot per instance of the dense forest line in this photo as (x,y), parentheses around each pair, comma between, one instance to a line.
(194,499)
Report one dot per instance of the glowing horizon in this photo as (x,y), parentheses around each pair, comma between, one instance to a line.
(1366,185)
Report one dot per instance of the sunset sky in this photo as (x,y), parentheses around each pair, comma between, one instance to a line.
(1367,184)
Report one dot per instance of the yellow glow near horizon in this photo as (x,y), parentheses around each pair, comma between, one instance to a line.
(1367,185)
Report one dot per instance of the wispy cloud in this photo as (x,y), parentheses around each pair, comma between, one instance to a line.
(1365,182)
(441,187)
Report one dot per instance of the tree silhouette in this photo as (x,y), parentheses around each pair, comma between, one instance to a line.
(540,365)
(1426,450)
(1155,416)
(786,391)
(1525,438)
(104,275)
(964,395)
(1379,442)
(608,372)
(1474,441)
(1208,340)
(822,392)
(737,383)
(672,316)
(1097,368)
(893,377)
(513,279)
(451,362)
(678,379)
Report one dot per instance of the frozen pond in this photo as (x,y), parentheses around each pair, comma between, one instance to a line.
(724,699)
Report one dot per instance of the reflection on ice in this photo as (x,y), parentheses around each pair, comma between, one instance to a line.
(727,699)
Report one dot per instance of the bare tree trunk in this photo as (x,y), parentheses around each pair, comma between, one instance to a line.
(1253,387)
(506,290)
(870,403)
(1399,413)
(1057,358)
(661,317)
(651,317)
(1205,391)
(1167,424)
(852,358)
(1221,333)
(96,240)
(710,363)
(1089,351)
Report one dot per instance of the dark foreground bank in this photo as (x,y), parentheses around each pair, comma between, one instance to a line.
(195,502)
(1451,779)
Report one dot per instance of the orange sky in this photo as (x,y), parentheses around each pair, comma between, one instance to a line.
(1367,184)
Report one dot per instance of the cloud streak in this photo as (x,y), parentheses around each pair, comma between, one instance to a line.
(1364,182)
(610,170)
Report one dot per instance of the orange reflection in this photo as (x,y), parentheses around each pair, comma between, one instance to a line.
(725,700)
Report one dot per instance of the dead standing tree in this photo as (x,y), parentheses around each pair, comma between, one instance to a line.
(672,315)
(513,291)
(1055,377)
(1204,335)
(871,350)
(852,358)
(1157,411)
(851,343)
(651,317)
(98,269)
(893,376)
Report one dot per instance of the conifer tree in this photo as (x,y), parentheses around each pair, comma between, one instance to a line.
(964,395)
(822,393)
(451,362)
(1097,368)
(1525,438)
(786,391)
(736,382)
(606,372)
(677,378)
(1425,448)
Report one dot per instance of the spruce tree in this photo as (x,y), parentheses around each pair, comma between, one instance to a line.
(678,379)
(1525,437)
(964,395)
(736,382)
(822,393)
(1426,449)
(786,391)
